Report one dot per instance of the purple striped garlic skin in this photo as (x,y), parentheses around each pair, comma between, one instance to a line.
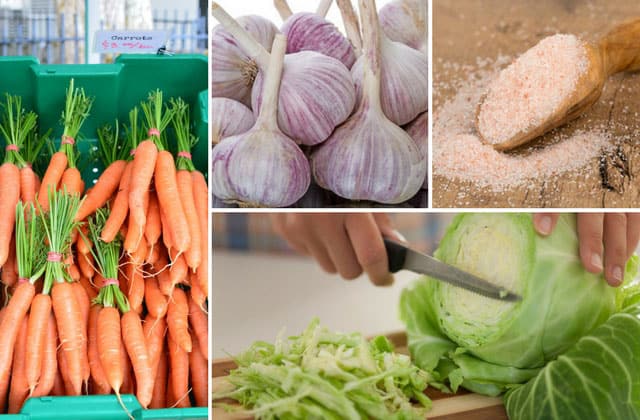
(311,32)
(228,118)
(406,21)
(232,71)
(316,95)
(418,129)
(260,169)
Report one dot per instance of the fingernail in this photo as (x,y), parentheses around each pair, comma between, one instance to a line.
(399,236)
(596,261)
(544,225)
(616,274)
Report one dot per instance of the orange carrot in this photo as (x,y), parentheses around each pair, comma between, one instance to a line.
(74,272)
(199,378)
(9,197)
(109,351)
(36,338)
(167,238)
(88,287)
(144,163)
(154,253)
(201,196)
(169,199)
(199,327)
(72,332)
(196,293)
(103,189)
(58,384)
(49,366)
(177,319)
(135,233)
(139,254)
(19,388)
(179,377)
(185,189)
(14,314)
(84,303)
(97,372)
(135,291)
(119,207)
(84,246)
(128,384)
(159,399)
(154,332)
(28,184)
(9,274)
(136,346)
(71,181)
(51,178)
(179,272)
(156,302)
(153,228)
(86,264)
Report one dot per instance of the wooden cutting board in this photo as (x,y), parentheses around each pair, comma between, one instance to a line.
(465,30)
(461,406)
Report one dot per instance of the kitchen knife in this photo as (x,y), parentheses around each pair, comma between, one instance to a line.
(400,257)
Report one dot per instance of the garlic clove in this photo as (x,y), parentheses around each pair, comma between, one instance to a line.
(232,70)
(262,167)
(311,32)
(405,21)
(316,95)
(404,89)
(418,129)
(228,118)
(369,157)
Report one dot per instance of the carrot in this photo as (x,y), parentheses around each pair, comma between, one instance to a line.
(9,327)
(136,346)
(154,332)
(177,315)
(71,181)
(198,322)
(86,265)
(120,207)
(159,399)
(179,272)
(19,388)
(49,366)
(84,246)
(128,384)
(9,197)
(170,202)
(9,275)
(36,338)
(196,293)
(155,301)
(179,377)
(139,254)
(74,272)
(167,237)
(103,189)
(201,197)
(199,378)
(28,184)
(72,332)
(58,383)
(185,189)
(154,253)
(97,372)
(153,228)
(51,178)
(144,163)
(88,287)
(135,292)
(135,233)
(109,347)
(84,303)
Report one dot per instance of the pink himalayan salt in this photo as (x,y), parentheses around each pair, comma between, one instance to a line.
(531,89)
(459,154)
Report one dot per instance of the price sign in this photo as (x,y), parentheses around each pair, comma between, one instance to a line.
(131,42)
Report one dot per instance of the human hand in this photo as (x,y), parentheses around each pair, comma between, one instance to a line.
(345,243)
(615,234)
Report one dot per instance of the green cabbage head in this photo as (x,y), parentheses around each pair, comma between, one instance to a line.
(486,345)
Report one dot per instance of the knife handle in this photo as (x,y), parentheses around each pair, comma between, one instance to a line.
(396,254)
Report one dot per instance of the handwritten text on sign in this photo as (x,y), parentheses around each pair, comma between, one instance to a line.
(144,42)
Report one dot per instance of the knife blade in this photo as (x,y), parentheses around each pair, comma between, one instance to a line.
(401,257)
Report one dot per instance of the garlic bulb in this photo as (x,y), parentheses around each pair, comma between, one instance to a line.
(228,118)
(262,167)
(369,157)
(316,92)
(418,129)
(404,80)
(406,21)
(311,32)
(233,71)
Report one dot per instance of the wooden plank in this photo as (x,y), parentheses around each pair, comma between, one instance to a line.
(465,30)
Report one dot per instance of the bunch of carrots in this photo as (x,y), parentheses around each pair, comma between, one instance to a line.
(105,290)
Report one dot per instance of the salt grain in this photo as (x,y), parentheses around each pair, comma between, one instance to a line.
(459,154)
(532,88)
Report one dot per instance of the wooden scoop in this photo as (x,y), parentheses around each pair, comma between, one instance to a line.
(618,51)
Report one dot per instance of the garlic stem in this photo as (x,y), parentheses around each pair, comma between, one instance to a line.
(323,7)
(268,115)
(283,9)
(371,50)
(247,42)
(351,25)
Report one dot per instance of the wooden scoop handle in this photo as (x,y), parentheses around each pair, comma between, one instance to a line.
(621,48)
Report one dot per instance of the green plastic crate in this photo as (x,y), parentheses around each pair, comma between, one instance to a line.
(99,407)
(116,87)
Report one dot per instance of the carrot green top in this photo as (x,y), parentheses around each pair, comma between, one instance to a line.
(186,139)
(76,110)
(16,126)
(157,118)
